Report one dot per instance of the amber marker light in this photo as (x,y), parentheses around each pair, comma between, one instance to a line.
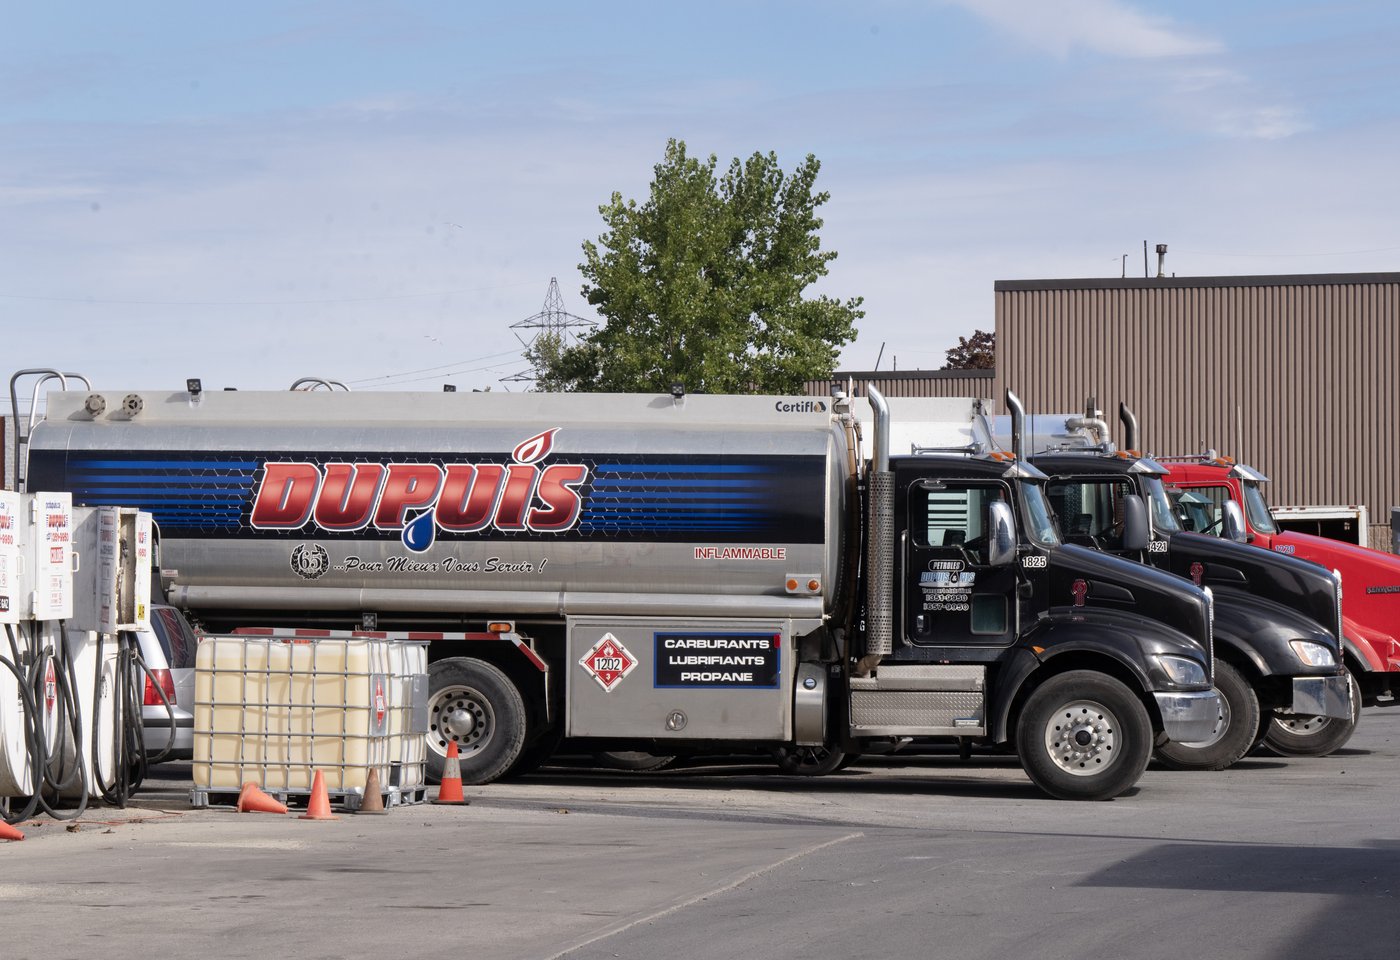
(500,626)
(814,585)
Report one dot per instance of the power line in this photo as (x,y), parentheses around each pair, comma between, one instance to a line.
(437,376)
(444,368)
(95,301)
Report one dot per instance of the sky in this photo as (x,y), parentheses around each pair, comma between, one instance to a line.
(375,192)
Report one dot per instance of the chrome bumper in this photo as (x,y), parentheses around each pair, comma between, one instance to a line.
(1322,697)
(1189,717)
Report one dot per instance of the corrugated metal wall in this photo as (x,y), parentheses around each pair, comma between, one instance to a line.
(911,383)
(1297,376)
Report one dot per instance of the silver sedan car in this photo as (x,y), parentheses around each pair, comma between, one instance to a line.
(168,650)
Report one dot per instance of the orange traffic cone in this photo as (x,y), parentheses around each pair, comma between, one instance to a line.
(319,806)
(373,801)
(450,790)
(253,800)
(8,832)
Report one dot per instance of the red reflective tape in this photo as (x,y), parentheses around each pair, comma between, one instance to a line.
(531,656)
(254,631)
(418,635)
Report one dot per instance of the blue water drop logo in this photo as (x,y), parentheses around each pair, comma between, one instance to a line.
(419,533)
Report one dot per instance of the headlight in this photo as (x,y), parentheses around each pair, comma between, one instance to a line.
(1313,654)
(1183,670)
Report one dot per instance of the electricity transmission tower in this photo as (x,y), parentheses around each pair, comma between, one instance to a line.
(553,320)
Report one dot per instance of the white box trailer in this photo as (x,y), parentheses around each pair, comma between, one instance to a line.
(1349,523)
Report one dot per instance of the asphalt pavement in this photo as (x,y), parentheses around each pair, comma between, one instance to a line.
(919,856)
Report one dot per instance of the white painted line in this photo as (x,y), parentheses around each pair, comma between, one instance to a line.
(674,908)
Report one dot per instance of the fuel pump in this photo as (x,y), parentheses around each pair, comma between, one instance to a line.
(74,588)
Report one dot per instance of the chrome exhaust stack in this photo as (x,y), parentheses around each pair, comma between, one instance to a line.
(1130,427)
(879,573)
(1018,426)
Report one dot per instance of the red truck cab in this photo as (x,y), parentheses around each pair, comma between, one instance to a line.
(1370,578)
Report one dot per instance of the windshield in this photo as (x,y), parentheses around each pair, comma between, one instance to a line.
(1258,509)
(1160,506)
(1040,522)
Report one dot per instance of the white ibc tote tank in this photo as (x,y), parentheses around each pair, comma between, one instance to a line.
(276,710)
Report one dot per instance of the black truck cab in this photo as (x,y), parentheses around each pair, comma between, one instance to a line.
(1277,618)
(987,595)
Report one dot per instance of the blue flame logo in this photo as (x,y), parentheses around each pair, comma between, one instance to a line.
(420,532)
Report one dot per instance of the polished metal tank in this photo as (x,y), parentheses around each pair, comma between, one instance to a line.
(504,504)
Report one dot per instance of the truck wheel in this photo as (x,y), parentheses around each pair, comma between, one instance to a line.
(1294,735)
(1235,728)
(474,704)
(536,753)
(1083,735)
(810,761)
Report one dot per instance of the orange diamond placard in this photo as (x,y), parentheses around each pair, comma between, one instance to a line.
(608,662)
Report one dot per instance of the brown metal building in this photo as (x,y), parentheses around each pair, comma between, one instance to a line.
(1298,376)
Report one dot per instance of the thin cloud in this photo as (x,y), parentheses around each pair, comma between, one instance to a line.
(1261,123)
(1185,76)
(1101,26)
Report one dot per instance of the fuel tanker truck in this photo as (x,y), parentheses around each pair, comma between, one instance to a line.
(672,574)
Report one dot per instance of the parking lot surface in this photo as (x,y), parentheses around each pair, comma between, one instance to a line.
(922,856)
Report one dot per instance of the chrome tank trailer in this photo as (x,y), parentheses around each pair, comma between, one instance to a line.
(466,503)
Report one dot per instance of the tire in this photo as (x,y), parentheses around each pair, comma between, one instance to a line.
(633,761)
(1266,720)
(1083,735)
(536,753)
(1235,730)
(811,761)
(475,704)
(1295,735)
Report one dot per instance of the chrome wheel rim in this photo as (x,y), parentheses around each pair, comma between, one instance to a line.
(462,715)
(1082,738)
(1222,723)
(1303,726)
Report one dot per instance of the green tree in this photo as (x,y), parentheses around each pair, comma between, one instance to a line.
(703,284)
(978,352)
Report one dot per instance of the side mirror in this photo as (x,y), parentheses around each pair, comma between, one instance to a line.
(1136,532)
(1232,522)
(1001,534)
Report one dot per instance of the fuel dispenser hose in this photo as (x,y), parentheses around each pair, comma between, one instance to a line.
(36,743)
(132,760)
(30,716)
